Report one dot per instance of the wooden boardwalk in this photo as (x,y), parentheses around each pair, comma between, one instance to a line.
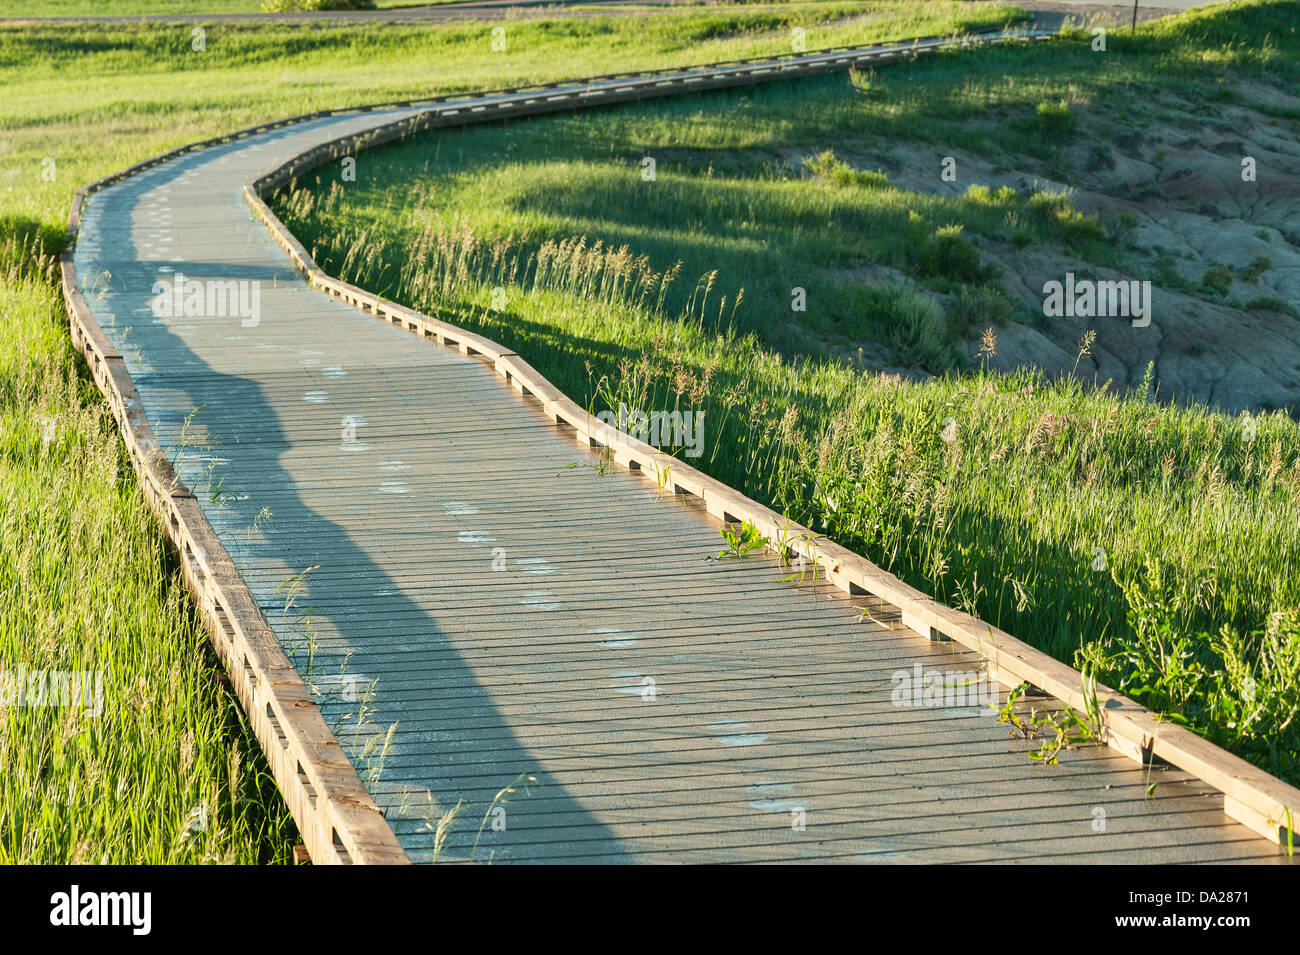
(470,612)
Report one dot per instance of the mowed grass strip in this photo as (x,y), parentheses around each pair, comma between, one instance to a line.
(1155,545)
(168,771)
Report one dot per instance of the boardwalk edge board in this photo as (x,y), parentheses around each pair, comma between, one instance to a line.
(339,821)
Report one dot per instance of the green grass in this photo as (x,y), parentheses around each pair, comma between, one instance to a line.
(119,8)
(1157,545)
(725,197)
(722,199)
(86,584)
(162,94)
(112,8)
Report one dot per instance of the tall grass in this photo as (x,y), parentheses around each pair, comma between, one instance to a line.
(168,771)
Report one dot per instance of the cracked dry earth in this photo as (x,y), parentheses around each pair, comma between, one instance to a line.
(1177,171)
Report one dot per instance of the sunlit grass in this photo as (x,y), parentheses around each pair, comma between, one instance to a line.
(168,771)
(121,8)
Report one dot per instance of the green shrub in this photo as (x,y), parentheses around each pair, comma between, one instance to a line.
(1272,303)
(874,178)
(919,330)
(1055,120)
(1100,157)
(1258,266)
(1050,205)
(826,167)
(1002,196)
(1122,230)
(1058,209)
(947,254)
(1168,276)
(982,305)
(1217,279)
(290,6)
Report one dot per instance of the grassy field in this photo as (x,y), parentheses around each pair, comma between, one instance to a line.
(168,771)
(1157,545)
(116,8)
(723,199)
(122,8)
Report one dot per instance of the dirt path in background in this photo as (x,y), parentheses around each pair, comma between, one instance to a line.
(1052,15)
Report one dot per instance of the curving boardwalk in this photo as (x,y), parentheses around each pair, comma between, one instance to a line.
(517,620)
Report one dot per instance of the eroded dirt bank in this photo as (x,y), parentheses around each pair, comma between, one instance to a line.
(1221,249)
